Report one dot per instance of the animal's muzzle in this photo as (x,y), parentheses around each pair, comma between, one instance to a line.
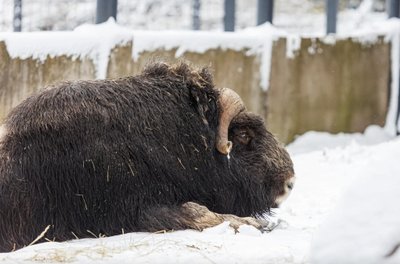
(288,187)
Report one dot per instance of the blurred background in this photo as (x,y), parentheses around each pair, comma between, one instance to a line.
(292,15)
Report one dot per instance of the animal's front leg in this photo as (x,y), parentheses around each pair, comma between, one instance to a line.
(191,215)
(204,218)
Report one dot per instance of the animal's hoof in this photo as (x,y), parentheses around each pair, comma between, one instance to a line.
(271,225)
(236,222)
(264,225)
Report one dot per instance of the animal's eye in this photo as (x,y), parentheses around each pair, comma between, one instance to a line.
(243,137)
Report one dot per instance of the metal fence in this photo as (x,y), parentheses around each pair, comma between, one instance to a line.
(139,14)
(157,14)
(39,15)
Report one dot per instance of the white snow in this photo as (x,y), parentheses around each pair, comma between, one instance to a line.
(254,41)
(292,20)
(313,141)
(365,225)
(350,186)
(97,41)
(293,44)
(390,126)
(90,41)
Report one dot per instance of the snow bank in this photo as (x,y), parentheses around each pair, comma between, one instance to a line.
(317,141)
(177,247)
(365,226)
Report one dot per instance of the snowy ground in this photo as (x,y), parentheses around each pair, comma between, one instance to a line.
(365,227)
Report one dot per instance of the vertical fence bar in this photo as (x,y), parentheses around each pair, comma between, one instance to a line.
(229,15)
(393,7)
(106,9)
(397,124)
(265,11)
(196,24)
(397,113)
(17,19)
(331,15)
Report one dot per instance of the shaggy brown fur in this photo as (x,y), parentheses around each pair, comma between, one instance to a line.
(109,155)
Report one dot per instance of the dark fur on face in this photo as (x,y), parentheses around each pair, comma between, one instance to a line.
(112,156)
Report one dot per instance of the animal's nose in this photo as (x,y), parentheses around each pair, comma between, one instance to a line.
(290,183)
(288,186)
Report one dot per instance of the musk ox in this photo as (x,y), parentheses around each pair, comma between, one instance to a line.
(164,150)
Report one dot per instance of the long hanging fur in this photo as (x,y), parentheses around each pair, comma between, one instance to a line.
(104,156)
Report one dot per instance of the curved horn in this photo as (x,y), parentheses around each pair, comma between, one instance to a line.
(231,104)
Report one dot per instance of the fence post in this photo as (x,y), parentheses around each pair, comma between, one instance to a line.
(265,11)
(397,124)
(106,9)
(196,15)
(229,15)
(393,7)
(331,7)
(17,20)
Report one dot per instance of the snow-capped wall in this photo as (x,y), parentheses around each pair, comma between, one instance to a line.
(297,83)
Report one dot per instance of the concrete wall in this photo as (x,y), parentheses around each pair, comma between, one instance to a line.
(342,87)
(231,68)
(21,77)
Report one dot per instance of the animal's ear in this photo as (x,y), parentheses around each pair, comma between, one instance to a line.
(242,136)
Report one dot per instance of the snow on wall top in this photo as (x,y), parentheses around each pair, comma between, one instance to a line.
(253,41)
(96,42)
